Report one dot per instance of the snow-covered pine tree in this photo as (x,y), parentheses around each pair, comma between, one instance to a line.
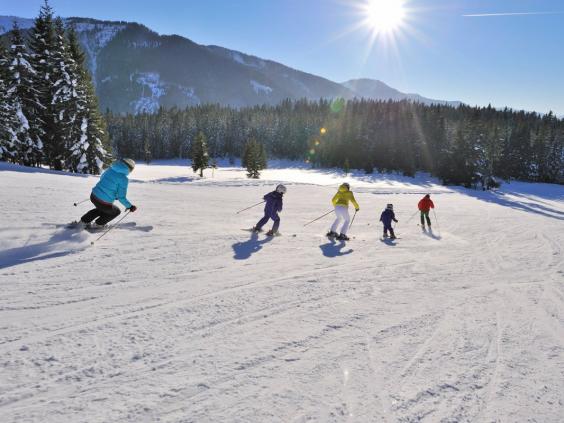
(8,118)
(200,157)
(88,149)
(28,148)
(64,100)
(41,46)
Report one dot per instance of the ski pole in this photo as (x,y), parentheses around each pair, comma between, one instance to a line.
(248,208)
(110,228)
(437,220)
(80,202)
(320,217)
(352,221)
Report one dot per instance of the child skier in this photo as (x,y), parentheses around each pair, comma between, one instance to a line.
(341,203)
(271,209)
(424,206)
(386,218)
(111,186)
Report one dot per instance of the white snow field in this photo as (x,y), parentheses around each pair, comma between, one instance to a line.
(184,317)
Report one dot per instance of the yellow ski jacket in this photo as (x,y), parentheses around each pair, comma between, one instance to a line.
(343,197)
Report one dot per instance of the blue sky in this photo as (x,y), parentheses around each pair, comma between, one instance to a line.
(516,61)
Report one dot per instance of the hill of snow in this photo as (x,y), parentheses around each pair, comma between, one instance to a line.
(184,317)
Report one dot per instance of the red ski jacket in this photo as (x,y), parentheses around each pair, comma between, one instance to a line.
(425,204)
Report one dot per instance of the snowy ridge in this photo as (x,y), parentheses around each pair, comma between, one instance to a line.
(93,38)
(181,316)
(239,59)
(6,23)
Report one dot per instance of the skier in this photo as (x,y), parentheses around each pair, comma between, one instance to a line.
(271,209)
(386,218)
(341,203)
(111,186)
(424,206)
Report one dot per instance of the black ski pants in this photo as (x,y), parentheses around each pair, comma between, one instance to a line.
(274,216)
(103,213)
(425,215)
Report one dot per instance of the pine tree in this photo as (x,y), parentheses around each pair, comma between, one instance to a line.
(200,157)
(28,147)
(254,158)
(89,142)
(42,46)
(64,101)
(8,119)
(346,166)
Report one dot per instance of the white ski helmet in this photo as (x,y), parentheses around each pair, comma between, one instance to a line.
(130,163)
(281,189)
(390,206)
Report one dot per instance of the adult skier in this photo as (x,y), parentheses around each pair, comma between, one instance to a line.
(386,218)
(424,206)
(341,202)
(272,207)
(111,186)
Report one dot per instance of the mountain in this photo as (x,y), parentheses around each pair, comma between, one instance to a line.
(6,23)
(372,88)
(135,70)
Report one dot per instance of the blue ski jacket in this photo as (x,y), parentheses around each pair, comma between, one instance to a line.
(273,203)
(386,218)
(113,185)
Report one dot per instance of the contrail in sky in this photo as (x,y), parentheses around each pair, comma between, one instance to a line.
(488,15)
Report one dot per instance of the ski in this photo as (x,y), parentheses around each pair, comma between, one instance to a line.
(80,226)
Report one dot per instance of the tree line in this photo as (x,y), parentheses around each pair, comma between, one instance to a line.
(48,106)
(454,144)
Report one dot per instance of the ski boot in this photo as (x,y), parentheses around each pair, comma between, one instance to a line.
(385,235)
(343,237)
(256,230)
(332,234)
(95,227)
(77,224)
(271,233)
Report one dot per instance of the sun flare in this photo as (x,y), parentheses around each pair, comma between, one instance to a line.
(384,16)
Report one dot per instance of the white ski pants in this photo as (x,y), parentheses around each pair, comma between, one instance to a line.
(342,213)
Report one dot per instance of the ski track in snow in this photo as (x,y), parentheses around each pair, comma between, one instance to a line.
(186,318)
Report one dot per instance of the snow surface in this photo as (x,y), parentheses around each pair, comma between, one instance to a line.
(186,318)
(153,90)
(260,88)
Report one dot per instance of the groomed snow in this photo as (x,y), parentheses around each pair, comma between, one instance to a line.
(186,318)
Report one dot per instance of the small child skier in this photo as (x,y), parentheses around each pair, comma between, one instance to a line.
(386,218)
(271,209)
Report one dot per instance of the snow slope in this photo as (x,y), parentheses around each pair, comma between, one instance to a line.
(186,318)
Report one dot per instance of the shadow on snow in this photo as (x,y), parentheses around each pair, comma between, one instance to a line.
(244,250)
(334,249)
(526,203)
(41,251)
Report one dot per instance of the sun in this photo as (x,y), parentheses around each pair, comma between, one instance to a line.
(384,16)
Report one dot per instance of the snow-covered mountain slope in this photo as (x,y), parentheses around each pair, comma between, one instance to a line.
(7,22)
(122,54)
(184,317)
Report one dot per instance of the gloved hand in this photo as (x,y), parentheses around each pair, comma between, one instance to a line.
(132,209)
(357,210)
